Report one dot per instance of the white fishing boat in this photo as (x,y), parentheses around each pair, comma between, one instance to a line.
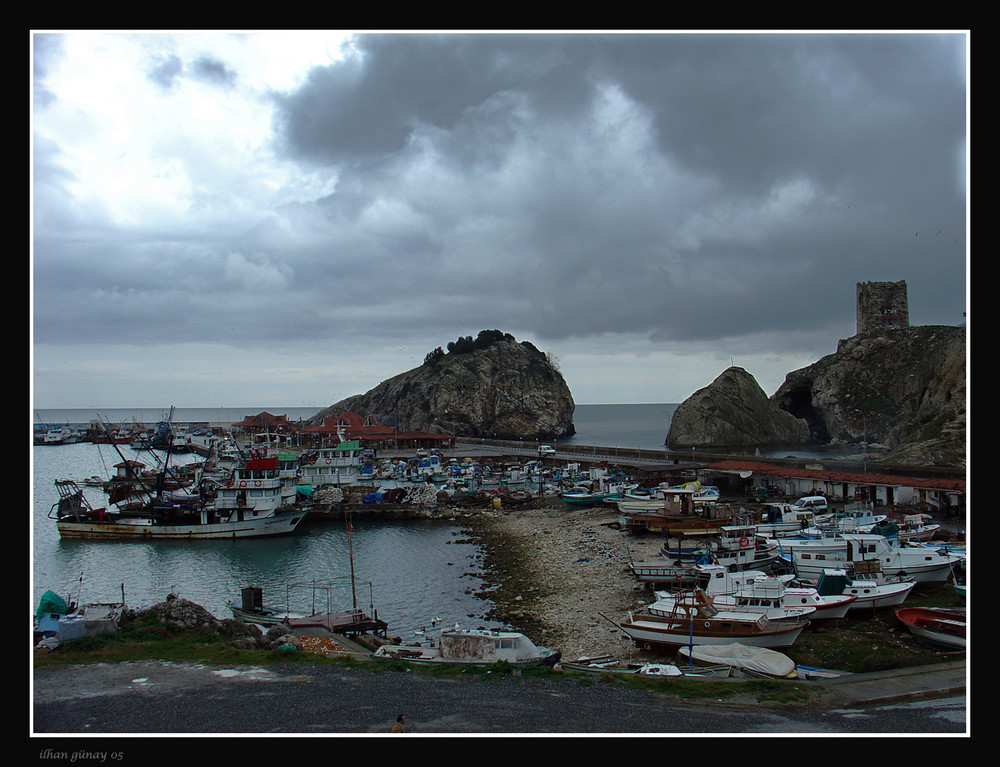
(739,547)
(754,661)
(473,647)
(757,594)
(925,565)
(917,528)
(332,466)
(693,619)
(258,500)
(871,590)
(753,588)
(783,519)
(855,518)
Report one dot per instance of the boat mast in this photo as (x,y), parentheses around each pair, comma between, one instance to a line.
(350,553)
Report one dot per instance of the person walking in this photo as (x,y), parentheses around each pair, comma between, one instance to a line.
(400,721)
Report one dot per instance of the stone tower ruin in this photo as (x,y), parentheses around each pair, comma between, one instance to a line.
(882,305)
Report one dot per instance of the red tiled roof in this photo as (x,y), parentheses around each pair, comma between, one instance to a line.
(855,477)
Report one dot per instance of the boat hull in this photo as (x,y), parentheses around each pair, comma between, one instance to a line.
(941,628)
(652,632)
(141,529)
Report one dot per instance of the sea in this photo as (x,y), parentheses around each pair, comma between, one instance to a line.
(415,573)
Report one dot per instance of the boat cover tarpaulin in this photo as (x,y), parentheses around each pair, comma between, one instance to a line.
(51,603)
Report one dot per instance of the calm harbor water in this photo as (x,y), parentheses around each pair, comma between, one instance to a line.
(418,570)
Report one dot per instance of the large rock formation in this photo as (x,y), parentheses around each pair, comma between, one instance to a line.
(733,413)
(492,386)
(903,389)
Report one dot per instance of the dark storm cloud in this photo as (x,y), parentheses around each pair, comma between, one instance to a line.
(690,186)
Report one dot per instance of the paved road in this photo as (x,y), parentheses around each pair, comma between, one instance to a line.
(315,699)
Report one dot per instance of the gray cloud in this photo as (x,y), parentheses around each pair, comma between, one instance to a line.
(682,188)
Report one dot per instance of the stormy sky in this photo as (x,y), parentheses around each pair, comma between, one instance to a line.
(289,218)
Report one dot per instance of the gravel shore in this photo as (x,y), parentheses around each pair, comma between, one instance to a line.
(561,576)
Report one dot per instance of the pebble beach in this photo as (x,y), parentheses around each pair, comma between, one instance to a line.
(562,575)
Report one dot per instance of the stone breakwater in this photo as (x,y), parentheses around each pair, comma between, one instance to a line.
(561,576)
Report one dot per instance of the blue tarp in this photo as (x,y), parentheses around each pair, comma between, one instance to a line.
(372,498)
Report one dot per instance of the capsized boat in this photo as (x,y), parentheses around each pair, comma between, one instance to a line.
(474,647)
(755,661)
(693,619)
(935,626)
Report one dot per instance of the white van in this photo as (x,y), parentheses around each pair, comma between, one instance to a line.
(546,450)
(812,502)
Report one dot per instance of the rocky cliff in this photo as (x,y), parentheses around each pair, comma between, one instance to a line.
(492,386)
(899,393)
(733,413)
(903,390)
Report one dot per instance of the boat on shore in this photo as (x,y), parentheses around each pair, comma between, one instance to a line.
(676,514)
(925,565)
(753,661)
(935,626)
(693,619)
(752,589)
(608,665)
(473,647)
(870,588)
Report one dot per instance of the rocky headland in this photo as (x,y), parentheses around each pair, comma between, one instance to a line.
(899,391)
(491,386)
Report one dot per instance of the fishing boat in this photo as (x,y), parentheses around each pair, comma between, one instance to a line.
(917,528)
(924,564)
(753,661)
(759,594)
(740,548)
(753,588)
(165,517)
(870,589)
(783,519)
(677,515)
(935,626)
(582,497)
(473,647)
(693,619)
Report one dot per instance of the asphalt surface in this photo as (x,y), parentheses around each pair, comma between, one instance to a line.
(163,699)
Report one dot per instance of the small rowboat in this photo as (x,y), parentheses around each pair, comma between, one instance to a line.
(935,626)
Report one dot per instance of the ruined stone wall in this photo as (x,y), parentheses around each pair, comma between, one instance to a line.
(882,305)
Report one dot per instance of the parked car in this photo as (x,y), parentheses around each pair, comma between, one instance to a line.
(546,450)
(812,502)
